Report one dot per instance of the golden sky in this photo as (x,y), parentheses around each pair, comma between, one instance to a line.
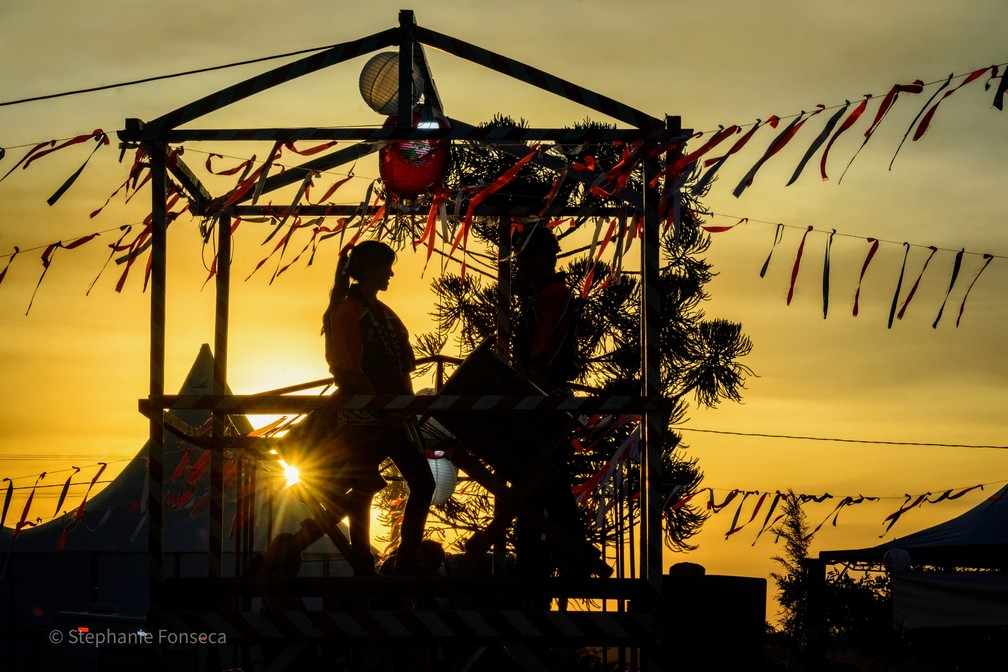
(75,366)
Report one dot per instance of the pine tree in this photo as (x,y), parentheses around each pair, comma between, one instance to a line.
(792,581)
(699,356)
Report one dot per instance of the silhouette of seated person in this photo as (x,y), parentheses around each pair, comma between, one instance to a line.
(545,348)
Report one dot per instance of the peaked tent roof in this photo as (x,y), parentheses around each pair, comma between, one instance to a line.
(410,39)
(976,538)
(115,519)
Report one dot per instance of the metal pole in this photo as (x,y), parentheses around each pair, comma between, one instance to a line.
(223,288)
(651,388)
(156,456)
(504,286)
(406,26)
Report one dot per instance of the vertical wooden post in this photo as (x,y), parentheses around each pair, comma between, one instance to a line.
(223,298)
(504,329)
(406,23)
(155,497)
(652,430)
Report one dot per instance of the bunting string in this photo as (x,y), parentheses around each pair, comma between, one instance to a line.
(874,244)
(252,180)
(188,473)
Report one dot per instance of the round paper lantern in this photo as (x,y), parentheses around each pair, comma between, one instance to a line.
(411,167)
(896,561)
(445,477)
(379,83)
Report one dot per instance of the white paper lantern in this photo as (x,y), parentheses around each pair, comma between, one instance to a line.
(379,83)
(445,477)
(896,561)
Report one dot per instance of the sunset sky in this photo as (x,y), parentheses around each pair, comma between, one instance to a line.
(921,408)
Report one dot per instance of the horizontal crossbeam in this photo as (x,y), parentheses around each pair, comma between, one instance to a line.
(565,136)
(471,627)
(443,403)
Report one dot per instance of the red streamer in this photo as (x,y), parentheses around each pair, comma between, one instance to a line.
(956,266)
(893,517)
(712,506)
(871,253)
(887,103)
(735,527)
(615,179)
(913,289)
(987,259)
(929,116)
(330,191)
(776,146)
(311,150)
(31,152)
(63,492)
(47,260)
(227,171)
(3,273)
(705,179)
(847,123)
(677,166)
(429,234)
(590,275)
(722,229)
(506,177)
(797,263)
(7,500)
(1001,89)
(24,512)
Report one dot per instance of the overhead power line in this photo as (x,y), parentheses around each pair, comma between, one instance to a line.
(155,78)
(839,440)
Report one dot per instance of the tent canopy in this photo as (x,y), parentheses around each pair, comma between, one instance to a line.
(977,538)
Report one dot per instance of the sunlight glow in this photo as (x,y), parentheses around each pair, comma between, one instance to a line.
(291,473)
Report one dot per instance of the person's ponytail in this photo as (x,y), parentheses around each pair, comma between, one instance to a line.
(341,285)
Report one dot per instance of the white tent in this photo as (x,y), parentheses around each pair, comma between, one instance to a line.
(974,545)
(104,558)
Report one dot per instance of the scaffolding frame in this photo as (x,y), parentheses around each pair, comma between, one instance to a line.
(641,627)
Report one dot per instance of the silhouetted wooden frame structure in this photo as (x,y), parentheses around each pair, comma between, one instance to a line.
(638,628)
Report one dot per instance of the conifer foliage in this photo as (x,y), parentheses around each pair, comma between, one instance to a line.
(700,357)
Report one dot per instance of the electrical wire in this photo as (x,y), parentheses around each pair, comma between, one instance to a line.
(155,78)
(839,440)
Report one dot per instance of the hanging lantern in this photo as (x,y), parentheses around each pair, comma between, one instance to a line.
(379,83)
(896,561)
(445,476)
(411,167)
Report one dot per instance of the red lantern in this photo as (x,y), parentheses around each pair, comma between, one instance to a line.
(412,167)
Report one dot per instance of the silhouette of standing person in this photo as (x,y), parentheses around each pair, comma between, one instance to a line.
(368,352)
